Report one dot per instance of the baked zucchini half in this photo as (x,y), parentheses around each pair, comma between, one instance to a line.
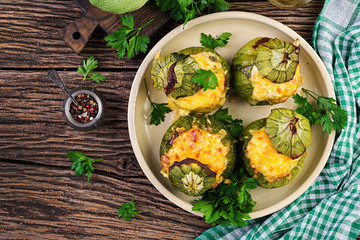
(197,153)
(173,74)
(273,149)
(266,71)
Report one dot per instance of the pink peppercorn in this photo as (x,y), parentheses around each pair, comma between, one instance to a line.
(85,112)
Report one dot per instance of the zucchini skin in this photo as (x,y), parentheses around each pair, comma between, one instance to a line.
(241,68)
(206,123)
(244,140)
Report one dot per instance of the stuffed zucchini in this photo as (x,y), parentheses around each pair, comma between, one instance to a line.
(197,153)
(266,71)
(274,149)
(173,74)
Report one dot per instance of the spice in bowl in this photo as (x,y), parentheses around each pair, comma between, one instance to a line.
(86,111)
(89,113)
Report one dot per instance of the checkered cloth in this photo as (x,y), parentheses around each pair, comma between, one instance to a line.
(330,208)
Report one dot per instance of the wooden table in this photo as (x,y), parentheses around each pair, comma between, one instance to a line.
(40,198)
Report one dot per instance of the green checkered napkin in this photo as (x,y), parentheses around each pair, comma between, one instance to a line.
(330,208)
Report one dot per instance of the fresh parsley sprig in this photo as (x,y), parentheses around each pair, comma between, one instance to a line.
(88,66)
(228,204)
(205,78)
(208,78)
(211,42)
(127,38)
(128,210)
(328,113)
(158,110)
(189,9)
(82,164)
(234,125)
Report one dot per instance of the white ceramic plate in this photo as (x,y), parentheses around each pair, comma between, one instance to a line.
(145,139)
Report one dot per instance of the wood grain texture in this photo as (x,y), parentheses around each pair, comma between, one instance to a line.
(93,16)
(78,33)
(33,128)
(38,202)
(30,29)
(40,198)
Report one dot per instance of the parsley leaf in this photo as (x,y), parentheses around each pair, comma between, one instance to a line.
(126,40)
(82,164)
(128,210)
(158,110)
(220,5)
(206,78)
(88,66)
(211,42)
(328,113)
(97,77)
(228,204)
(127,20)
(234,125)
(189,9)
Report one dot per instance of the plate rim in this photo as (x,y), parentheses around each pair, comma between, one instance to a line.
(213,17)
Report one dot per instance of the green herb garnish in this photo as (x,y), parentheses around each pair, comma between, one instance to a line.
(158,110)
(88,66)
(206,78)
(228,204)
(234,125)
(128,210)
(189,9)
(328,114)
(127,39)
(82,164)
(211,42)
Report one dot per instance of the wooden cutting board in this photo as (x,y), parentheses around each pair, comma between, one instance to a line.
(77,34)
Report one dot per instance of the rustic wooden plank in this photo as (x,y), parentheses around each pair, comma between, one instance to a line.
(94,16)
(40,196)
(38,202)
(30,37)
(33,128)
(301,20)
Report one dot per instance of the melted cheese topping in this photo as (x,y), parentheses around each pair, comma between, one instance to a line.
(265,159)
(264,89)
(203,102)
(200,145)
